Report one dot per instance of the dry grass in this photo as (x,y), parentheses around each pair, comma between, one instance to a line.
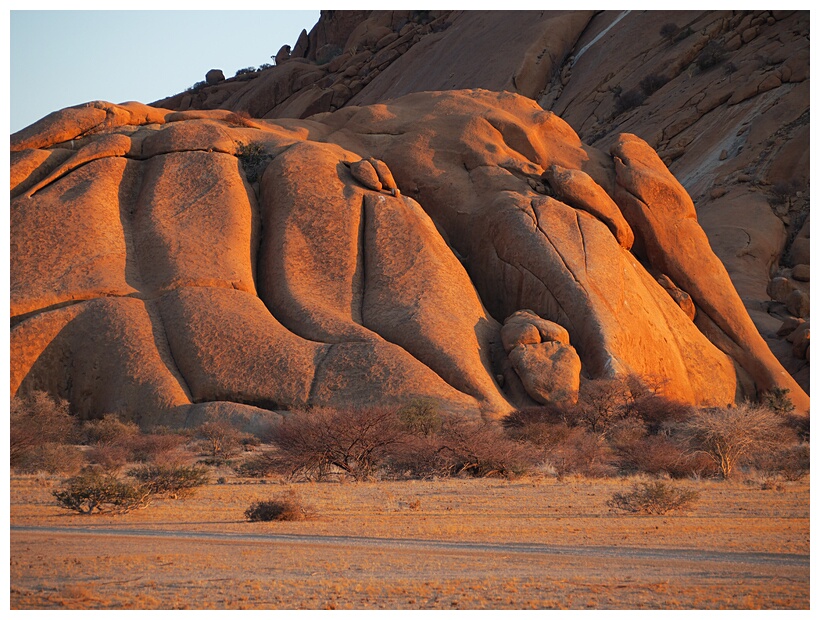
(142,572)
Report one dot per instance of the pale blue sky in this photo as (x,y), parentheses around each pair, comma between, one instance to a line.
(63,58)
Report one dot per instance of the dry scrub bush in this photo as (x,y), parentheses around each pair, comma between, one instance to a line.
(479,448)
(617,424)
(654,498)
(317,442)
(94,491)
(220,440)
(261,465)
(421,417)
(286,508)
(730,435)
(39,429)
(175,482)
(114,443)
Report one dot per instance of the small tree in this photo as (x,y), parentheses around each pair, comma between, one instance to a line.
(356,441)
(729,435)
(36,421)
(222,439)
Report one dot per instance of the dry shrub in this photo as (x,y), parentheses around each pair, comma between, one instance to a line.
(659,413)
(581,452)
(52,458)
(421,417)
(220,440)
(157,447)
(261,465)
(654,498)
(713,53)
(94,491)
(652,83)
(729,436)
(418,456)
(791,462)
(109,431)
(170,481)
(286,508)
(35,421)
(321,441)
(659,454)
(628,100)
(479,448)
(669,30)
(110,458)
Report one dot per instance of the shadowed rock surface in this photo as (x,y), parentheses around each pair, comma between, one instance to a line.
(166,259)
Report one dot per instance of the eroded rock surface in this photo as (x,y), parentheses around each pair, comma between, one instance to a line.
(158,276)
(722,96)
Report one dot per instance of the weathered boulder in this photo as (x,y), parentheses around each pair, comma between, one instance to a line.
(577,189)
(526,327)
(214,76)
(550,371)
(780,288)
(798,304)
(801,272)
(801,343)
(789,325)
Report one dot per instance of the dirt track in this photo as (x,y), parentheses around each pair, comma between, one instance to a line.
(613,553)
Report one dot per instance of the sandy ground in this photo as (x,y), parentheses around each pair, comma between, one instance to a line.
(456,544)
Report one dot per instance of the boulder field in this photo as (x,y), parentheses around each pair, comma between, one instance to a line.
(463,247)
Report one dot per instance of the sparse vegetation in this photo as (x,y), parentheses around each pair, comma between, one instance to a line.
(729,435)
(170,481)
(712,54)
(783,192)
(254,159)
(287,508)
(628,100)
(95,491)
(652,83)
(245,71)
(40,431)
(669,30)
(654,498)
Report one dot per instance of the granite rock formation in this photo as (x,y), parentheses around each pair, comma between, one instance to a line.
(149,274)
(322,233)
(722,96)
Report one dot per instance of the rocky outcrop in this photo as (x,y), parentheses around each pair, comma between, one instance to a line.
(722,96)
(370,262)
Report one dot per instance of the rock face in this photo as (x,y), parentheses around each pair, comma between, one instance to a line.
(370,264)
(722,96)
